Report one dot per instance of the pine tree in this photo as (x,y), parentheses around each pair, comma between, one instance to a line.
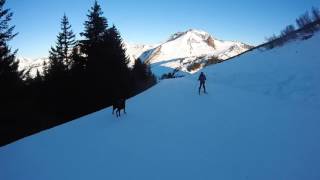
(304,20)
(93,44)
(140,70)
(106,68)
(114,38)
(95,27)
(143,76)
(119,61)
(78,62)
(315,13)
(10,77)
(68,39)
(61,55)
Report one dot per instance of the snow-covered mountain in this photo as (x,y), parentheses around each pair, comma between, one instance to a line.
(260,121)
(181,50)
(194,43)
(193,46)
(33,65)
(134,51)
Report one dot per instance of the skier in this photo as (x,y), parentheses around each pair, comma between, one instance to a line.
(202,78)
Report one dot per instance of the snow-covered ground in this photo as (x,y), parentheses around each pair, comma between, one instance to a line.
(260,120)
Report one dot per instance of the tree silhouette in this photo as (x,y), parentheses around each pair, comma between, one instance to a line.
(315,13)
(142,76)
(68,39)
(10,77)
(106,61)
(61,54)
(140,70)
(95,27)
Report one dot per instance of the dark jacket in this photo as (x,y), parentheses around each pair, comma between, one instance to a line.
(202,78)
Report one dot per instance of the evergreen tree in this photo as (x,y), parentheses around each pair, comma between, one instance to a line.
(78,62)
(61,55)
(68,39)
(38,78)
(106,62)
(143,76)
(11,83)
(93,45)
(140,70)
(10,77)
(95,27)
(114,38)
(119,62)
(304,20)
(56,68)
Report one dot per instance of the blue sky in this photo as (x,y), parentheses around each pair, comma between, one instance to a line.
(150,21)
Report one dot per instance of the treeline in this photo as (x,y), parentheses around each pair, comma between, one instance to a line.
(306,24)
(81,77)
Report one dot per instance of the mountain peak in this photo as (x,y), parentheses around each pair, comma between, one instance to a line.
(183,49)
(197,31)
(191,32)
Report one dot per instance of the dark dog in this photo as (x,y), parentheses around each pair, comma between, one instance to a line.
(119,105)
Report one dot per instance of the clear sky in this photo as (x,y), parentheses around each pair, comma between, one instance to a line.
(152,21)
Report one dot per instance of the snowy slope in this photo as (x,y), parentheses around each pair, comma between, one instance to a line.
(250,126)
(290,72)
(176,135)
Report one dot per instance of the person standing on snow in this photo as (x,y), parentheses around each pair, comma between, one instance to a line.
(202,78)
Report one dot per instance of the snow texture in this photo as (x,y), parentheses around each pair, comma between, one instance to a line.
(260,120)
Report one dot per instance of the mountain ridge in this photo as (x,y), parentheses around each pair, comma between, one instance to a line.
(186,48)
(190,47)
